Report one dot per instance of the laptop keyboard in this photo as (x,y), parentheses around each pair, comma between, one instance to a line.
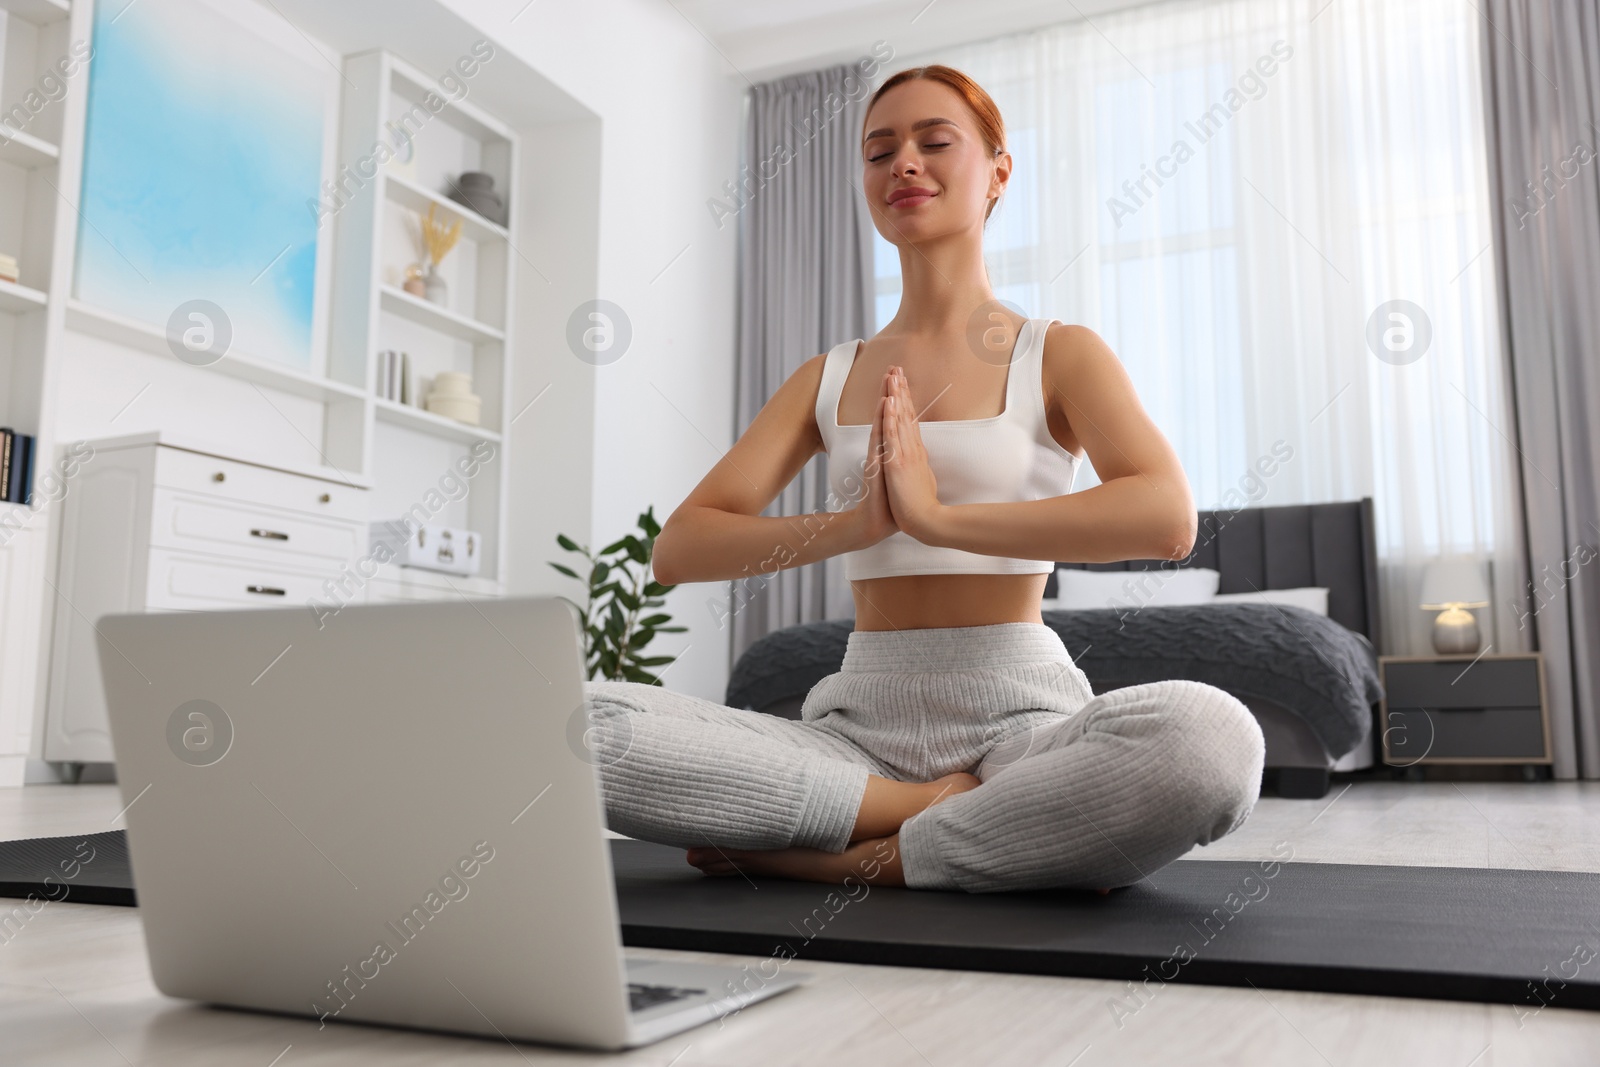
(642,996)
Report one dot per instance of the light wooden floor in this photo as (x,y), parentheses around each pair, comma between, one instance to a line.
(75,988)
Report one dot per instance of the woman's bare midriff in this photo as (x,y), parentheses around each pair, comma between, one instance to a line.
(921,601)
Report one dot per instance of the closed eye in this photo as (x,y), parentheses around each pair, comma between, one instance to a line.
(935,144)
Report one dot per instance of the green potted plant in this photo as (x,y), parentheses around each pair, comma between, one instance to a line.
(614,631)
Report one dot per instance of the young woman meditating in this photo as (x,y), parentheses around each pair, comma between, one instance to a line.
(959,746)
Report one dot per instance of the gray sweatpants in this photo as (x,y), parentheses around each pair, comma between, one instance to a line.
(1078,790)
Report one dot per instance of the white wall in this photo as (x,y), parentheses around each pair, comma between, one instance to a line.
(669,109)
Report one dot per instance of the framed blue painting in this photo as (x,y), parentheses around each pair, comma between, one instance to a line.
(208,135)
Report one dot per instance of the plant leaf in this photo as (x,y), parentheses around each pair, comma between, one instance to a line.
(568,571)
(567,543)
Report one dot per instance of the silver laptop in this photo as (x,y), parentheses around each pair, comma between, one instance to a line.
(385,814)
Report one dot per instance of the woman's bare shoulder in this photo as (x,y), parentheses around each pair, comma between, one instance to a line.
(772,450)
(805,382)
(791,408)
(1063,340)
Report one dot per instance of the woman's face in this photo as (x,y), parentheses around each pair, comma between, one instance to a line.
(921,135)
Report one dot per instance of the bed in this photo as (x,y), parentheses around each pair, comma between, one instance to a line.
(1310,680)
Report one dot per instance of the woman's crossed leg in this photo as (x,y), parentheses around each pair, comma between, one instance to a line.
(1133,780)
(739,788)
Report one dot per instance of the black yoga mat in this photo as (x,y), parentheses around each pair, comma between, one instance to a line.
(87,869)
(1529,938)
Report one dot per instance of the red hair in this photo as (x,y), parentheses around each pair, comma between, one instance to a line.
(991,127)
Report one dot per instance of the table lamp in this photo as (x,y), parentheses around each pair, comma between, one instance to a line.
(1454,585)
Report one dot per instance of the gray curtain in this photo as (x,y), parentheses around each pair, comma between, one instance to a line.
(805,284)
(1541,74)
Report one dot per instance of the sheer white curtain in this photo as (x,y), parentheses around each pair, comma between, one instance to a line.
(1231,192)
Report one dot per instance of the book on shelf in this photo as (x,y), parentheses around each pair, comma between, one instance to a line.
(394,381)
(22,471)
(386,374)
(16,466)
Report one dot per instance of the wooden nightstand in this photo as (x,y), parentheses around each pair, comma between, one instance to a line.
(1464,709)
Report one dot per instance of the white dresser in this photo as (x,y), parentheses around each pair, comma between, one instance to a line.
(152,526)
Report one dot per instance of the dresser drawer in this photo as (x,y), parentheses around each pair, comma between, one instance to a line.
(1487,733)
(1454,684)
(227,479)
(228,527)
(182,581)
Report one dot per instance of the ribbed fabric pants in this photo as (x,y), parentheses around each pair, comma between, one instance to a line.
(1078,790)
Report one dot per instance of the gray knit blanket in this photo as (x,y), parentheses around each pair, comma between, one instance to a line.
(1303,662)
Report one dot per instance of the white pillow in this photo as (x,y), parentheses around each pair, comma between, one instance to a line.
(1132,590)
(1311,597)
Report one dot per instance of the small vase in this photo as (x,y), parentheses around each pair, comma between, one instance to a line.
(415,283)
(436,290)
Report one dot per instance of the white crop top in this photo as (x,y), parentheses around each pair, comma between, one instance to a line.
(1007,457)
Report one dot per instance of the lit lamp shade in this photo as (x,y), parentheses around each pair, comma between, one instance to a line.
(1450,586)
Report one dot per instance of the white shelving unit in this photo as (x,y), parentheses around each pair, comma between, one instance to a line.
(410,448)
(36,34)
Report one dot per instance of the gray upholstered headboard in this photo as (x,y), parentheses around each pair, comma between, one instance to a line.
(1332,545)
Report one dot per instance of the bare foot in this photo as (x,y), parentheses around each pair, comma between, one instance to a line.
(887,803)
(874,861)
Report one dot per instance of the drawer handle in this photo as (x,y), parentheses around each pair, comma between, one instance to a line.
(264,590)
(219,477)
(270,535)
